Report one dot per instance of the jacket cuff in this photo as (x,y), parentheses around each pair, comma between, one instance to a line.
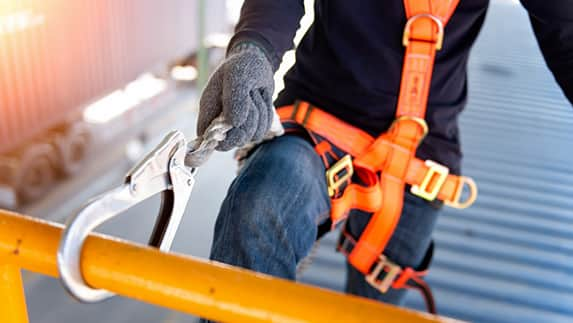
(255,39)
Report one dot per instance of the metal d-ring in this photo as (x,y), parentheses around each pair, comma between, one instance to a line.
(439,24)
(162,170)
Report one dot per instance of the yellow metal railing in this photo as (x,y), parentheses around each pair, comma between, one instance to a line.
(207,289)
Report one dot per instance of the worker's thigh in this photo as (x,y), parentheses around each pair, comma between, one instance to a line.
(407,247)
(268,220)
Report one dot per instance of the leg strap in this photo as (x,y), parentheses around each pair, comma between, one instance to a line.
(386,274)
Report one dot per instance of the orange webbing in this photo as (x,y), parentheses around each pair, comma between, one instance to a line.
(365,198)
(383,222)
(370,153)
(392,154)
(442,9)
(420,54)
(412,101)
(416,78)
(346,137)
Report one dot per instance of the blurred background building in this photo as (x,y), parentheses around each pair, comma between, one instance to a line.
(87,87)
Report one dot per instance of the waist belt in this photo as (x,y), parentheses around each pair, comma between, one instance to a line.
(373,175)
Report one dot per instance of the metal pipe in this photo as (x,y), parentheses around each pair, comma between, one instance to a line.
(13,304)
(202,54)
(187,284)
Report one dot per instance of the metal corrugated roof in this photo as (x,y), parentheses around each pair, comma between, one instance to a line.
(509,258)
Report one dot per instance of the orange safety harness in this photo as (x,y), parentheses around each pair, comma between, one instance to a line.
(373,174)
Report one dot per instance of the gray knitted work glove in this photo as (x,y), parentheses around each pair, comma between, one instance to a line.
(240,89)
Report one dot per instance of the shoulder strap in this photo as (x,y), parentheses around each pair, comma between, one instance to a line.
(423,36)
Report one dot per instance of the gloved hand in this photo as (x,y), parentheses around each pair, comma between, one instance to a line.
(240,89)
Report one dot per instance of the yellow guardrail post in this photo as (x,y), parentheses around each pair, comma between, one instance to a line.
(13,302)
(187,284)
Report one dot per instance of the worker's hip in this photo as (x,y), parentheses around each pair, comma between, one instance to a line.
(292,175)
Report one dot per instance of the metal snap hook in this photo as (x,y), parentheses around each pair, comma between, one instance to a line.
(161,171)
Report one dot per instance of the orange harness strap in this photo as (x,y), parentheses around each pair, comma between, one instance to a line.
(356,142)
(387,163)
(423,35)
(395,276)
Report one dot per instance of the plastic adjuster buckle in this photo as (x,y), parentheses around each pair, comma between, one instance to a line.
(391,269)
(432,182)
(333,183)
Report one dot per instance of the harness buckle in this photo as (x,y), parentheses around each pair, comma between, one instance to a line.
(392,271)
(436,175)
(436,20)
(332,182)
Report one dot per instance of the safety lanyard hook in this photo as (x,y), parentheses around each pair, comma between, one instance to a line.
(161,171)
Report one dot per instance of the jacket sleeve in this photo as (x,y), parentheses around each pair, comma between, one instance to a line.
(271,24)
(552,23)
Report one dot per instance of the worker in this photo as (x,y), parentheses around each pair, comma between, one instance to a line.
(353,87)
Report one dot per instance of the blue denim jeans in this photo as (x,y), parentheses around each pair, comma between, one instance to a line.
(268,221)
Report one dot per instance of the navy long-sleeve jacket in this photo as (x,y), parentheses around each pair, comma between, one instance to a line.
(349,62)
